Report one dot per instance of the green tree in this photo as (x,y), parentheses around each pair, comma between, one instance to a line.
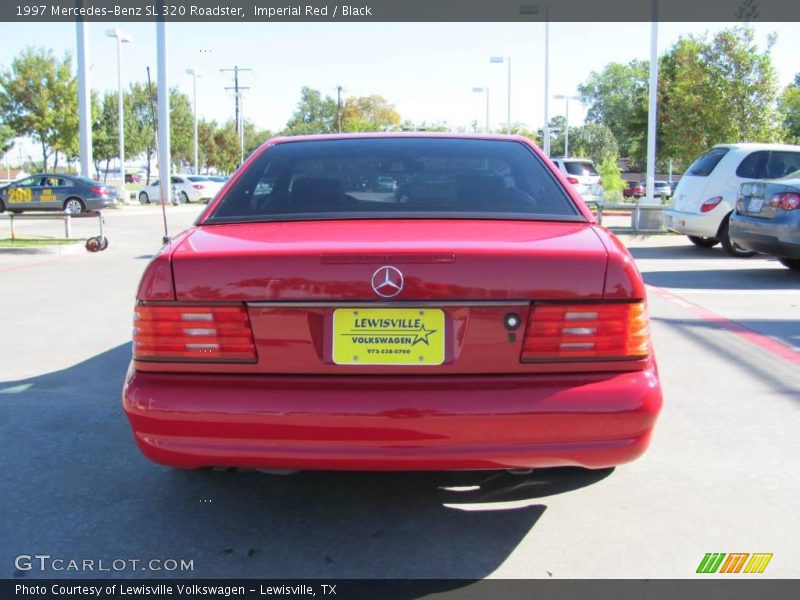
(369,113)
(617,98)
(314,114)
(612,178)
(140,134)
(789,109)
(104,132)
(715,91)
(6,138)
(594,141)
(181,123)
(38,98)
(558,125)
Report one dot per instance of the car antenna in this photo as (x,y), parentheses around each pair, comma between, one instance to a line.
(165,239)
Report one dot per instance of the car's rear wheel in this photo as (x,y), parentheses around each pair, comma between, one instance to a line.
(74,206)
(728,244)
(144,198)
(791,263)
(703,242)
(184,198)
(2,207)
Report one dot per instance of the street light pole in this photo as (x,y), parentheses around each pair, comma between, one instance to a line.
(122,38)
(501,59)
(481,90)
(195,74)
(547,80)
(84,99)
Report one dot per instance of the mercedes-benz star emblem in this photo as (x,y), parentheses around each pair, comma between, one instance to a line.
(387,282)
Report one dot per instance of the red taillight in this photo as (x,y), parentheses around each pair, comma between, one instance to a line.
(573,180)
(100,191)
(204,333)
(710,204)
(563,332)
(787,201)
(198,186)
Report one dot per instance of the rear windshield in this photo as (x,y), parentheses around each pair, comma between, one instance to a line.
(580,168)
(703,166)
(396,178)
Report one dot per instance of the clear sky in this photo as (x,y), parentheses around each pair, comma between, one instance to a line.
(427,70)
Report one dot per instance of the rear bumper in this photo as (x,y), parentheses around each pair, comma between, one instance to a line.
(392,423)
(98,203)
(695,224)
(767,236)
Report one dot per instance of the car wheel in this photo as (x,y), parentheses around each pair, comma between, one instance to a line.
(703,242)
(144,198)
(2,207)
(74,206)
(791,263)
(184,198)
(728,244)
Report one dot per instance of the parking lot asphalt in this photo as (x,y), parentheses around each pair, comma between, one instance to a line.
(721,474)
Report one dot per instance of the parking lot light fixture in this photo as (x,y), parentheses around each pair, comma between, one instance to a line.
(122,38)
(500,60)
(480,90)
(195,74)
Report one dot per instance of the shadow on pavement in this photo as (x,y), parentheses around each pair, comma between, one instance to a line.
(724,279)
(768,372)
(75,486)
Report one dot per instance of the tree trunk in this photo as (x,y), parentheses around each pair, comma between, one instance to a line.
(55,162)
(105,175)
(44,157)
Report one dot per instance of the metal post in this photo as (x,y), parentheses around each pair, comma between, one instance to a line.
(121,119)
(487,109)
(241,129)
(164,151)
(509,94)
(84,99)
(547,80)
(67,226)
(566,132)
(13,230)
(651,108)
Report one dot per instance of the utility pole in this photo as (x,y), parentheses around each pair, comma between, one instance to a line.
(237,90)
(338,109)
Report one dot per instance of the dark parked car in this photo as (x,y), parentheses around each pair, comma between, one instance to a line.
(47,191)
(767,218)
(133,178)
(634,189)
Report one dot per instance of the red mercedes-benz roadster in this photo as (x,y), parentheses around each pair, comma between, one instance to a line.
(393,302)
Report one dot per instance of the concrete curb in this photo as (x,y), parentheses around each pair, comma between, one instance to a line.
(75,248)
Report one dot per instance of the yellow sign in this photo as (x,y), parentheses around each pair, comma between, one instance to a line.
(388,336)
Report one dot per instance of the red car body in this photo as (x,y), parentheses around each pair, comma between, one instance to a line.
(491,404)
(633,189)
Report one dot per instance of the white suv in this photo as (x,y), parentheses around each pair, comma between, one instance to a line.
(580,172)
(706,195)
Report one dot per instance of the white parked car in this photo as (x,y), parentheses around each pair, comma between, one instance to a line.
(188,188)
(706,195)
(583,176)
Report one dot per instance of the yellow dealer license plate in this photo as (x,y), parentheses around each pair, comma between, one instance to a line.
(388,336)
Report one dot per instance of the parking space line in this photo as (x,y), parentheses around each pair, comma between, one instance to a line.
(758,339)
